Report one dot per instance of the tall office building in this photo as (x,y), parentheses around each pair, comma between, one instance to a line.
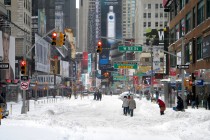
(128,20)
(149,14)
(21,16)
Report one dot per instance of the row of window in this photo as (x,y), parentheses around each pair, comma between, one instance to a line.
(190,21)
(193,51)
(150,6)
(157,24)
(157,15)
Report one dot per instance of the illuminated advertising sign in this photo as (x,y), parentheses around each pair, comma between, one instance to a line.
(111,25)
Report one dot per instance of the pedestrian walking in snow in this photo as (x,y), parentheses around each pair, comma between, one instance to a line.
(100,95)
(129,97)
(131,105)
(125,105)
(196,101)
(208,102)
(193,101)
(162,106)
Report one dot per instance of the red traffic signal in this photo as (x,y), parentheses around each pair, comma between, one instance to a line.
(54,34)
(23,67)
(23,63)
(99,43)
(99,49)
(54,37)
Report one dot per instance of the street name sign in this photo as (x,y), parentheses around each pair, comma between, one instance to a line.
(182,66)
(4,66)
(125,65)
(130,48)
(119,78)
(24,78)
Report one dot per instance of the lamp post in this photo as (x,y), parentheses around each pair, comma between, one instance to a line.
(152,72)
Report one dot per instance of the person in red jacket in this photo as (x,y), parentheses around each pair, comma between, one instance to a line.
(162,106)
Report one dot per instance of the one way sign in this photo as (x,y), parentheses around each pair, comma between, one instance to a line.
(182,66)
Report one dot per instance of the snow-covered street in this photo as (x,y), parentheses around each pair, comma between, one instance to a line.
(87,119)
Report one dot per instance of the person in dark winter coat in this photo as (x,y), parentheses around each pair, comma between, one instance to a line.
(208,102)
(196,101)
(180,105)
(162,106)
(131,105)
(189,98)
(99,95)
(125,105)
(193,101)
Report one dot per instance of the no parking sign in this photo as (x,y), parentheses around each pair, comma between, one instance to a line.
(24,85)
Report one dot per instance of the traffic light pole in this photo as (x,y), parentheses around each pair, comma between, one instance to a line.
(25,54)
(23,109)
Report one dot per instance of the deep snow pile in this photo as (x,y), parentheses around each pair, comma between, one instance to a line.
(87,119)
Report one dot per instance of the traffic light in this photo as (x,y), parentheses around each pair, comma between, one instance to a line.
(54,37)
(62,39)
(106,74)
(99,49)
(23,67)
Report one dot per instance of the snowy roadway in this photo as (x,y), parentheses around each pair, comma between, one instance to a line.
(87,119)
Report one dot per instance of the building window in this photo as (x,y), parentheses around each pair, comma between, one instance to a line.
(145,15)
(177,32)
(149,24)
(200,16)
(145,24)
(7,2)
(146,60)
(172,34)
(156,15)
(182,3)
(165,15)
(149,6)
(188,22)
(161,15)
(199,48)
(182,27)
(156,24)
(208,8)
(187,53)
(161,6)
(165,24)
(194,15)
(161,24)
(149,15)
(156,6)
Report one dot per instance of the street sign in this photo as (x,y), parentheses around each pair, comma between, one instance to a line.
(24,78)
(119,78)
(24,85)
(130,48)
(4,66)
(105,66)
(182,66)
(199,82)
(125,65)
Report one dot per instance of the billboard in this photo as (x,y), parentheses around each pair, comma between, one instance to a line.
(89,62)
(64,68)
(42,55)
(85,62)
(7,53)
(111,26)
(41,21)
